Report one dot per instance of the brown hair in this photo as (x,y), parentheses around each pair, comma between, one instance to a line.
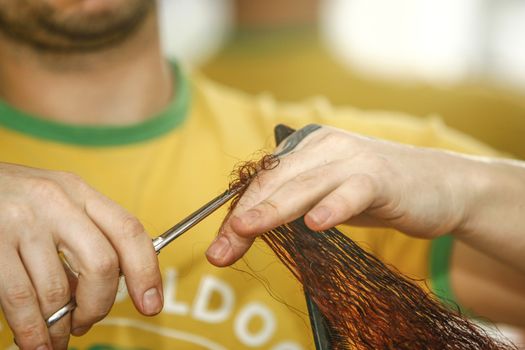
(365,304)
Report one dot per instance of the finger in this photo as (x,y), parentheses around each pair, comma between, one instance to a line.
(355,195)
(20,304)
(228,247)
(290,201)
(136,254)
(294,168)
(51,284)
(90,255)
(306,157)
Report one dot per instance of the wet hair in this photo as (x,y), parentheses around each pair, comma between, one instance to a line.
(365,303)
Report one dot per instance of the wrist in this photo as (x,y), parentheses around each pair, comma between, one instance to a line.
(496,203)
(494,191)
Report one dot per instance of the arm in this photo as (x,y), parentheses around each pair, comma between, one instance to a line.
(487,271)
(42,212)
(335,177)
(494,221)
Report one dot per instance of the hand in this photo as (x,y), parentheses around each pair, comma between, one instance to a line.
(333,177)
(42,212)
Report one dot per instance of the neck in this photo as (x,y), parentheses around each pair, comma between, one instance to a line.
(268,13)
(122,85)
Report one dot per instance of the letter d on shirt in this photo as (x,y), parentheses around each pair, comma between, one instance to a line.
(204,310)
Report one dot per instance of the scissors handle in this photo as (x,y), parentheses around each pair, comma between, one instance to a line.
(63,311)
(163,240)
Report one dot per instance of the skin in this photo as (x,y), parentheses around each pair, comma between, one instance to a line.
(370,182)
(365,181)
(365,193)
(123,94)
(98,238)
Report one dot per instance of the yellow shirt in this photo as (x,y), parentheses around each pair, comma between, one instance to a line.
(166,167)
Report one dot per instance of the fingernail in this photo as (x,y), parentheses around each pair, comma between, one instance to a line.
(151,301)
(320,215)
(43,347)
(218,248)
(249,217)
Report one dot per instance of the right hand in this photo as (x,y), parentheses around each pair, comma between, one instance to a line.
(44,212)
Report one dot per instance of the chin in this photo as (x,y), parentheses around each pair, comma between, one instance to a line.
(72,25)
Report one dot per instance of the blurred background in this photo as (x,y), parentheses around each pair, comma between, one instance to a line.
(463,61)
(460,60)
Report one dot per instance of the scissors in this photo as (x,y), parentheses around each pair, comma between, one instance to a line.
(317,321)
(164,239)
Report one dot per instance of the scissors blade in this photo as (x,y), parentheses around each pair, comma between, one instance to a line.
(194,218)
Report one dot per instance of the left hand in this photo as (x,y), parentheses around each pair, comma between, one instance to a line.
(333,177)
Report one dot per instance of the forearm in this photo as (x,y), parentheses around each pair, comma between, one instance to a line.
(495,217)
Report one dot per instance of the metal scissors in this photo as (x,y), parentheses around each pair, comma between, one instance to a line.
(317,321)
(164,239)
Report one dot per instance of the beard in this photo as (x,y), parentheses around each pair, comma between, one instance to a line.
(72,26)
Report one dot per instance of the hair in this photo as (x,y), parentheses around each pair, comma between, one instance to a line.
(365,304)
